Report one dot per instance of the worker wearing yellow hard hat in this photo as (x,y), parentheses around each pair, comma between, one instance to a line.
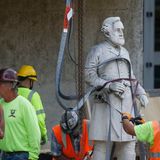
(27,76)
(27,71)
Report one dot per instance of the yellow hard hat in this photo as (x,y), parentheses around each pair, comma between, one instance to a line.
(27,71)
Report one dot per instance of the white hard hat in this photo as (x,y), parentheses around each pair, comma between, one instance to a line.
(69,121)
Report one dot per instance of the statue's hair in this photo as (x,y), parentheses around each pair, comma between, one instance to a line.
(108,23)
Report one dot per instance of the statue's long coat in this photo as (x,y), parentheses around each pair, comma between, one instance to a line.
(103,114)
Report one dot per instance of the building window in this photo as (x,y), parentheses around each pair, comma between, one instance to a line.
(156,76)
(157,25)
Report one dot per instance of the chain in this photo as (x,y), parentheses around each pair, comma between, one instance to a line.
(80,49)
(80,71)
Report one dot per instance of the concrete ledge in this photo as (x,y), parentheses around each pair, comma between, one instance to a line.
(152,111)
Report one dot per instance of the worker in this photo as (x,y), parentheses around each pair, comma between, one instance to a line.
(27,76)
(1,123)
(108,63)
(22,133)
(70,138)
(148,132)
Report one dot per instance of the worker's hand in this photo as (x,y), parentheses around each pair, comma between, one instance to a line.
(144,100)
(89,156)
(126,115)
(117,87)
(44,139)
(137,120)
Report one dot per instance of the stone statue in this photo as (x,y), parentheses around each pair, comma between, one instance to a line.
(109,62)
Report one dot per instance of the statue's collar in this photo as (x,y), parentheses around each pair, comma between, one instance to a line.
(113,49)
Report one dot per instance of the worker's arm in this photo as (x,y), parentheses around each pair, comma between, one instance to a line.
(128,126)
(129,123)
(1,123)
(37,103)
(32,129)
(144,131)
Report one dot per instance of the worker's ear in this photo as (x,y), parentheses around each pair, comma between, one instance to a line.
(31,84)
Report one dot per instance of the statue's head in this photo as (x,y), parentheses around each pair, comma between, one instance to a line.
(112,28)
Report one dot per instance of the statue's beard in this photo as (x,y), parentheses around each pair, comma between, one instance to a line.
(117,40)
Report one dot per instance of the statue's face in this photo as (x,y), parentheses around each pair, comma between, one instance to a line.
(116,35)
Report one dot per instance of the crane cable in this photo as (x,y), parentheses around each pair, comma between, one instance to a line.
(67,17)
(59,95)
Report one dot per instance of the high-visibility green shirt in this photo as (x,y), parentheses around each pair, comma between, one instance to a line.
(21,128)
(145,132)
(35,99)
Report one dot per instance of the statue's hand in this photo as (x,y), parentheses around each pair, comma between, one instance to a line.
(144,100)
(117,87)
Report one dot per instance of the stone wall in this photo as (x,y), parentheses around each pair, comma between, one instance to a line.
(30,33)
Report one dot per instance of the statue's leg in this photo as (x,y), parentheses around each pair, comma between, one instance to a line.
(100,150)
(125,150)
